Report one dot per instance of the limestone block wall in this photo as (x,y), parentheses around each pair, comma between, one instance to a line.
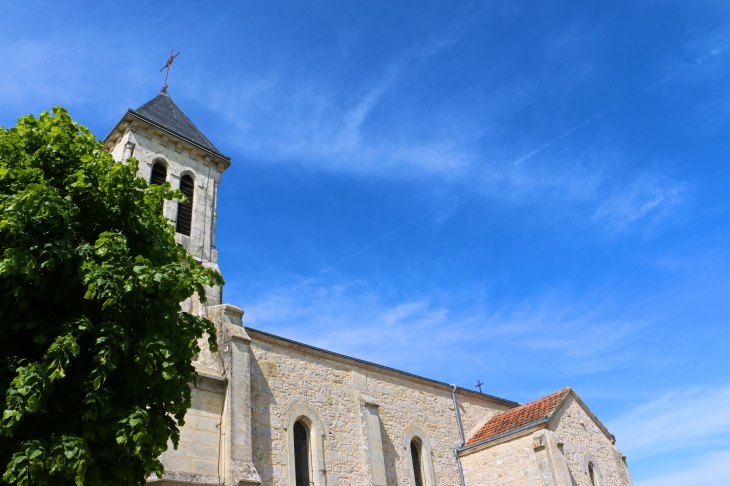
(344,394)
(581,436)
(511,463)
(197,455)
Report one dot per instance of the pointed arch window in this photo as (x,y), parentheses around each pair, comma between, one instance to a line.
(185,209)
(416,458)
(301,454)
(159,174)
(305,435)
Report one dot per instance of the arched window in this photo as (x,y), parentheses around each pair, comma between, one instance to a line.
(159,174)
(185,210)
(416,458)
(417,450)
(305,435)
(591,469)
(592,475)
(301,454)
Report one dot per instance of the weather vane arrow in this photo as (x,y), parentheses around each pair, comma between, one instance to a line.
(167,66)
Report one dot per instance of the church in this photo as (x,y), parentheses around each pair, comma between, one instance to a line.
(267,410)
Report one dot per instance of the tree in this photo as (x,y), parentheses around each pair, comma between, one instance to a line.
(95,353)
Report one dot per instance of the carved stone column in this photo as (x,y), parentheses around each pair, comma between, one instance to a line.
(128,150)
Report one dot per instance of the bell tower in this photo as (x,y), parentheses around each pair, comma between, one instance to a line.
(170,148)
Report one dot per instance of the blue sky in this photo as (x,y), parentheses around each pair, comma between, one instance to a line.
(530,194)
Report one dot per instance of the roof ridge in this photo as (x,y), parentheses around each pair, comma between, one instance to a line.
(163,110)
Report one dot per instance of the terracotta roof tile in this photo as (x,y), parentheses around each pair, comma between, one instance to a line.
(518,417)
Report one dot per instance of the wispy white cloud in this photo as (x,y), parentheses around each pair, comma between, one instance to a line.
(649,196)
(711,469)
(281,114)
(30,70)
(280,117)
(287,117)
(356,319)
(682,420)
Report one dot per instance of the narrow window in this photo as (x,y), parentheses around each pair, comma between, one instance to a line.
(416,457)
(592,474)
(159,174)
(159,177)
(301,454)
(185,210)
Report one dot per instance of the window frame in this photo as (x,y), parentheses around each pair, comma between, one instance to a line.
(300,412)
(308,451)
(192,205)
(428,475)
(164,164)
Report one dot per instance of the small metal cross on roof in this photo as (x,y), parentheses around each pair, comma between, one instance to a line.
(479,385)
(167,66)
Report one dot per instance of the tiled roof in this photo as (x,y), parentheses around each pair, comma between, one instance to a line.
(162,110)
(520,416)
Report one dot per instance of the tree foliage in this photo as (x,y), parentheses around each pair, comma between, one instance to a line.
(95,353)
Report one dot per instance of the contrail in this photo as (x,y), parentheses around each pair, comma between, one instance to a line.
(329,269)
(599,114)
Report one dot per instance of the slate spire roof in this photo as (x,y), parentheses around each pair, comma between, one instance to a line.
(164,112)
(515,418)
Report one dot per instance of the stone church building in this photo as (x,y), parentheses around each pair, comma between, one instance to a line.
(267,410)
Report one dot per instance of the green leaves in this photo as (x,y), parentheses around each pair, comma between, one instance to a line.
(26,394)
(28,465)
(95,353)
(34,464)
(59,356)
(69,458)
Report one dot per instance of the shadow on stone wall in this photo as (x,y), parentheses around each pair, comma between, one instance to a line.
(391,456)
(262,442)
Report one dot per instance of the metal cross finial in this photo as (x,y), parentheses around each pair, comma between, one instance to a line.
(167,66)
(479,385)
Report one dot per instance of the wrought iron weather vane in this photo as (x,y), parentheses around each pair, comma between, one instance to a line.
(167,66)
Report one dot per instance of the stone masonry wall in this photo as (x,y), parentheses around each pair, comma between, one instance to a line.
(197,454)
(580,435)
(284,373)
(512,463)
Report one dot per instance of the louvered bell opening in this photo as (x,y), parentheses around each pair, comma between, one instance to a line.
(185,210)
(159,174)
(159,177)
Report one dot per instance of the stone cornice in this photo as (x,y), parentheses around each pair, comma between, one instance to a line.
(134,118)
